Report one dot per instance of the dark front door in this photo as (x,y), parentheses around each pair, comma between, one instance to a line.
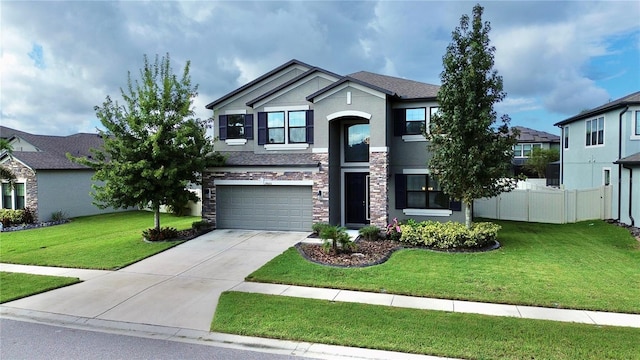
(356,191)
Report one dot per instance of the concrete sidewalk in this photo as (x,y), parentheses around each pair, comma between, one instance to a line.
(174,295)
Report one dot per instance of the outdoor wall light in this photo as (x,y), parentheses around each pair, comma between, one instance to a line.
(319,194)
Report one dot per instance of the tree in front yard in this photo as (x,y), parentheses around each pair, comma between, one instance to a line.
(153,145)
(6,173)
(540,159)
(471,149)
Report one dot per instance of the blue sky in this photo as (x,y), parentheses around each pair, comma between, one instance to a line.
(59,59)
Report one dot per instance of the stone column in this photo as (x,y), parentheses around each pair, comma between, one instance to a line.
(320,189)
(379,188)
(209,197)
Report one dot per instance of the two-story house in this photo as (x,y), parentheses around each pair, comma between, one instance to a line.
(529,139)
(306,145)
(601,146)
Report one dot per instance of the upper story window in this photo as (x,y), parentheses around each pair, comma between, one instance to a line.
(13,198)
(275,127)
(415,121)
(285,127)
(636,131)
(566,137)
(595,132)
(235,126)
(524,150)
(356,143)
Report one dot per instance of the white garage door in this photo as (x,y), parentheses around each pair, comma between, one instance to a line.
(264,207)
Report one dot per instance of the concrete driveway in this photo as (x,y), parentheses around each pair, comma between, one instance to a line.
(176,288)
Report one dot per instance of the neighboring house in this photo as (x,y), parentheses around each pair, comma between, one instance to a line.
(527,141)
(601,146)
(306,145)
(46,180)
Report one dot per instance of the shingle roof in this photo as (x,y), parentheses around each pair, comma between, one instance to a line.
(249,158)
(405,89)
(53,149)
(631,99)
(536,136)
(630,160)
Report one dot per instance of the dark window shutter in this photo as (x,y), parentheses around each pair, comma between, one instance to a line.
(401,191)
(222,127)
(262,128)
(455,205)
(248,126)
(309,131)
(399,119)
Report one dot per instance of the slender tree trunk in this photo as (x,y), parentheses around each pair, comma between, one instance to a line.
(156,216)
(467,215)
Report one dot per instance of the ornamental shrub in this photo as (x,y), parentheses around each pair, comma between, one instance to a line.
(336,239)
(449,235)
(370,232)
(165,233)
(10,217)
(319,226)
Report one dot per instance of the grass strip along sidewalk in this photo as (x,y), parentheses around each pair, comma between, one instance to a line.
(588,265)
(419,331)
(17,285)
(108,241)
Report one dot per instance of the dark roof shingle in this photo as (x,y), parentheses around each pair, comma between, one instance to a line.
(52,150)
(536,136)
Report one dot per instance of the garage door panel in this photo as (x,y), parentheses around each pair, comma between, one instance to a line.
(264,207)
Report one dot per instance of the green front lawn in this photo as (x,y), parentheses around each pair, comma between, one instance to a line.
(108,241)
(16,285)
(588,265)
(437,333)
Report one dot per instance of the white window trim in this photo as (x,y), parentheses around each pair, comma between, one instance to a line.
(296,146)
(235,142)
(413,138)
(13,193)
(604,132)
(634,124)
(427,212)
(235,112)
(604,170)
(521,156)
(285,110)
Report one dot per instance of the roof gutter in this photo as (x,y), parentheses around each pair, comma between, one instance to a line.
(620,157)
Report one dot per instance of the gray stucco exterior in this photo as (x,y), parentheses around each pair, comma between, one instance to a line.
(334,105)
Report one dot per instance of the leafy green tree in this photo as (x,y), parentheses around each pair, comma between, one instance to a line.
(153,145)
(471,149)
(539,159)
(5,173)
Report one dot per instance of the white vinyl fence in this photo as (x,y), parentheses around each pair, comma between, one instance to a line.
(547,205)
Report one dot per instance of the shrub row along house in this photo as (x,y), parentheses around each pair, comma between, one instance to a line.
(306,145)
(46,181)
(601,146)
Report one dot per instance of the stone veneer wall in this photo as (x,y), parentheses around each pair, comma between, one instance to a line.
(379,188)
(321,184)
(209,189)
(28,176)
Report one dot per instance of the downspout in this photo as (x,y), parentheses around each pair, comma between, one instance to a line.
(633,222)
(620,157)
(562,147)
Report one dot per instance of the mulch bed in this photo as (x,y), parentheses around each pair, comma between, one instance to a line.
(367,253)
